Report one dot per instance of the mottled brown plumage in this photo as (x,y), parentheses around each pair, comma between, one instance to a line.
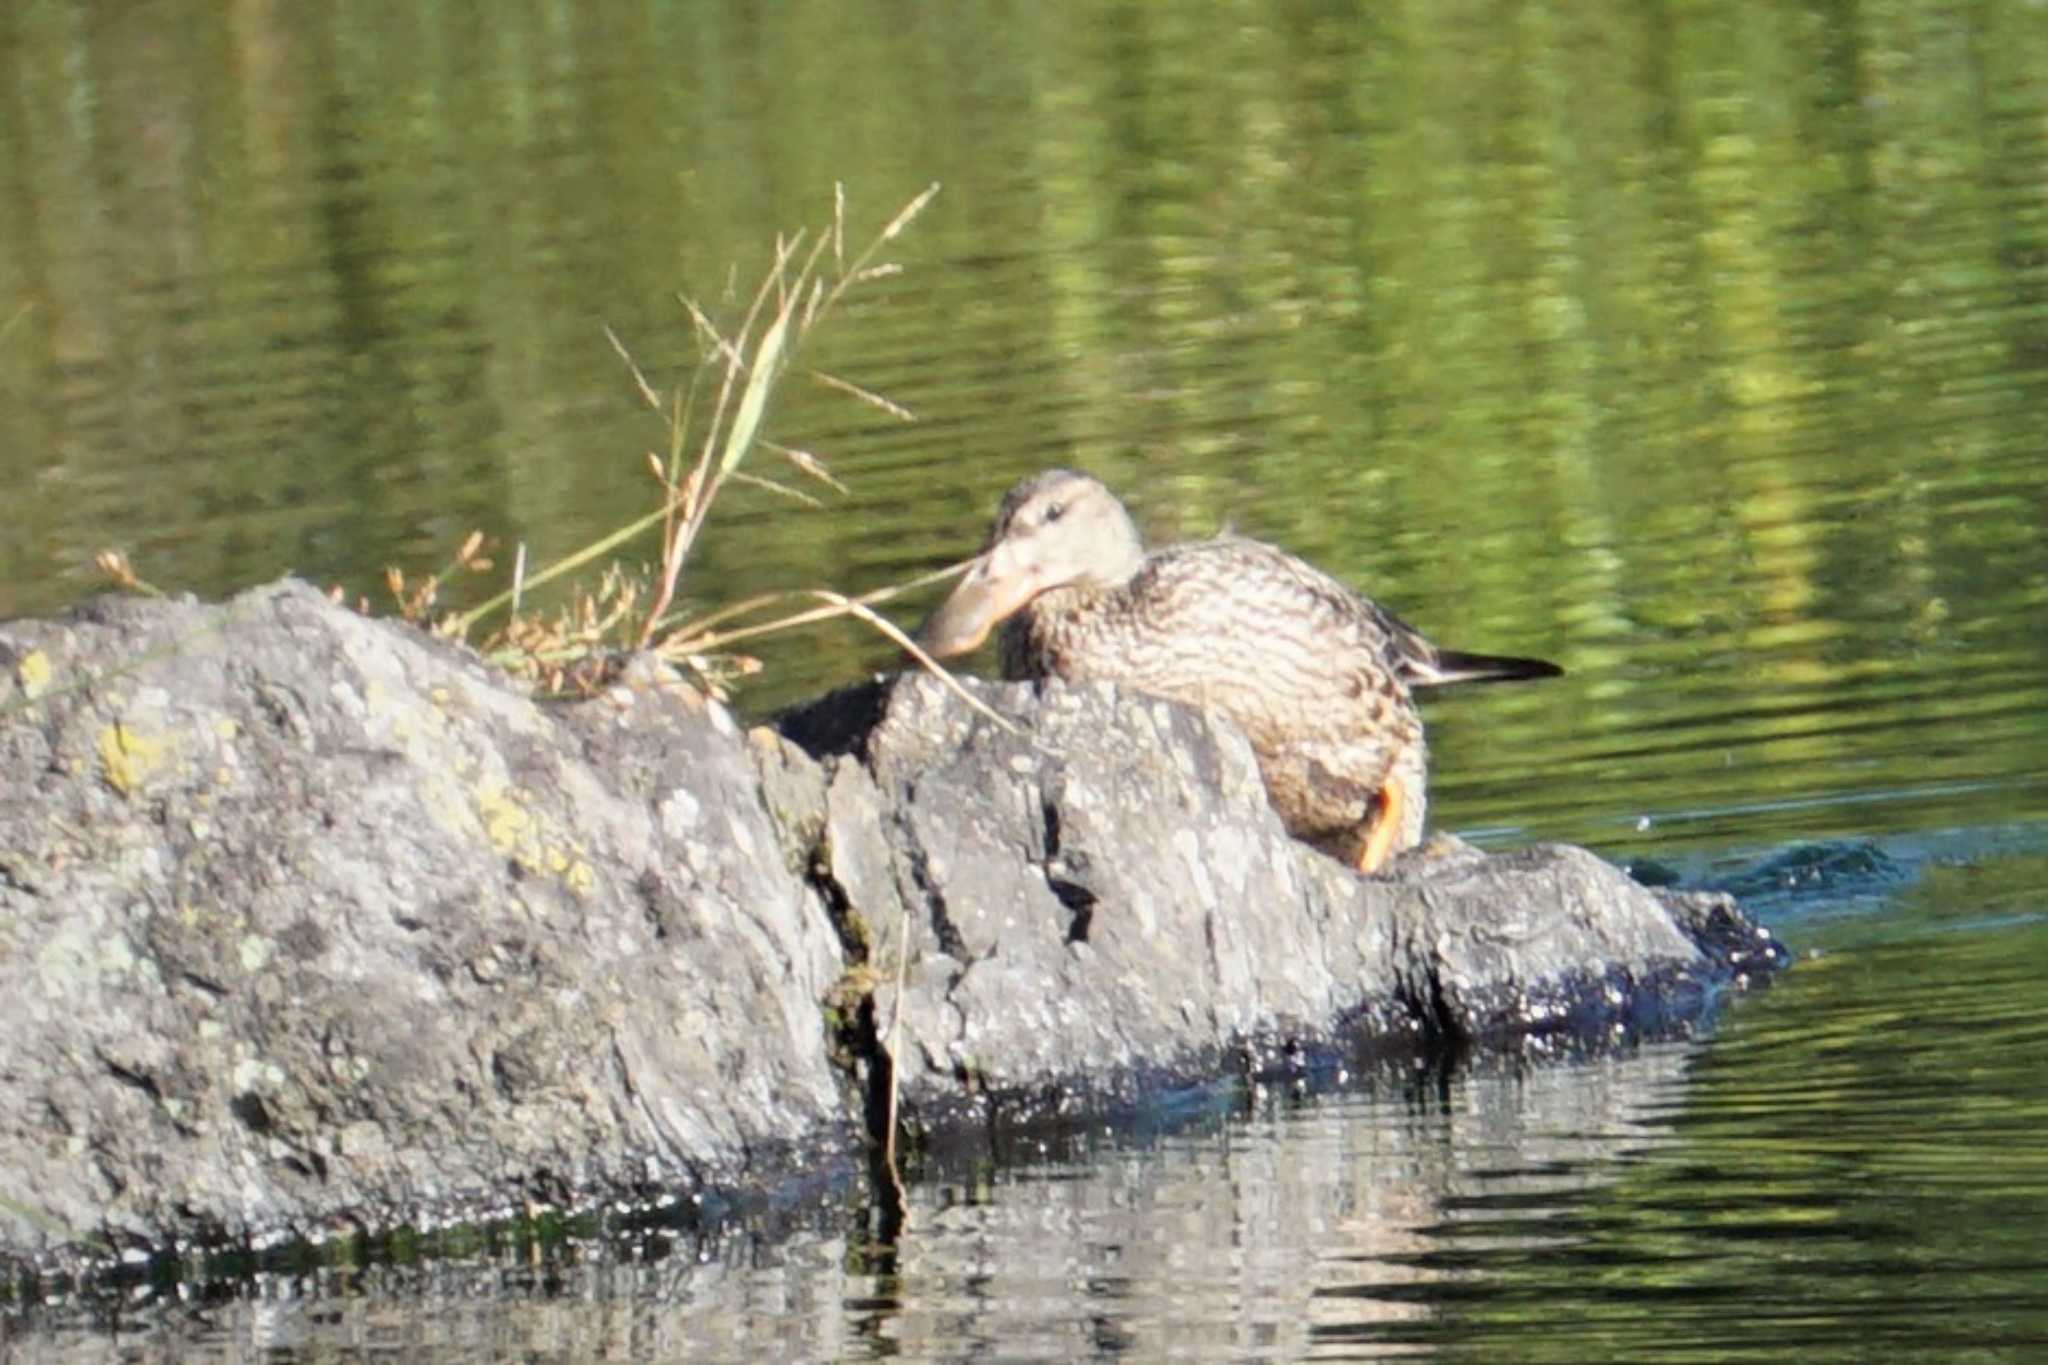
(1321,679)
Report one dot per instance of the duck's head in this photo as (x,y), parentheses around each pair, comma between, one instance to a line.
(1059,529)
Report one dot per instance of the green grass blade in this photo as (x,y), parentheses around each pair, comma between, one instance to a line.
(746,419)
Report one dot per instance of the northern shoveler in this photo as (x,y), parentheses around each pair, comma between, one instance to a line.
(1321,679)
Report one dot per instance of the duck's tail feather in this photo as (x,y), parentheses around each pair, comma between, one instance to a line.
(1449,666)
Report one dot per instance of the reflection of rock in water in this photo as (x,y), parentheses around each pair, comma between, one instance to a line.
(1298,1222)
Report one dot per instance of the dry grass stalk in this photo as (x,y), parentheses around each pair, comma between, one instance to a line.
(731,392)
(114,564)
(808,277)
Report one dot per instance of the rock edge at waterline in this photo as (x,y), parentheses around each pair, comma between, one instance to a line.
(306,914)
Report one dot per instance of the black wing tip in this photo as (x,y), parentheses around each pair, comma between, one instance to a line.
(1453,667)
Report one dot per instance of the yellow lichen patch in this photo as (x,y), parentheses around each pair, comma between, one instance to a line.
(507,824)
(578,876)
(127,758)
(517,833)
(32,673)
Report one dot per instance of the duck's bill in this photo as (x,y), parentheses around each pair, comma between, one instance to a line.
(987,593)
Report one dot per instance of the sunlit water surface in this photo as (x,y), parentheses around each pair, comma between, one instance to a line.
(1704,350)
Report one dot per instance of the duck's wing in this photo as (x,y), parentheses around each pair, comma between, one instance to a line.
(1347,619)
(1254,594)
(1267,618)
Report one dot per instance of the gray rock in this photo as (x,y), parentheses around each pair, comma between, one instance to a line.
(304,915)
(1099,890)
(303,912)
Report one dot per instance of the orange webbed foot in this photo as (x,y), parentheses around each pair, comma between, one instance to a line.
(1387,816)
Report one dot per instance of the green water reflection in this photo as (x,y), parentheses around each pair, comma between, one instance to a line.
(1857,1167)
(1698,346)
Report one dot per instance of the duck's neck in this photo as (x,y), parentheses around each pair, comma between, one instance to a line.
(1083,597)
(1059,629)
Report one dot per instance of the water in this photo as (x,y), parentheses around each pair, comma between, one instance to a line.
(1698,348)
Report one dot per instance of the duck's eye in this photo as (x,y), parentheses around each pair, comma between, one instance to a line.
(1054,511)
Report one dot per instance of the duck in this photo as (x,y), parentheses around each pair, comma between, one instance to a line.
(1320,678)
